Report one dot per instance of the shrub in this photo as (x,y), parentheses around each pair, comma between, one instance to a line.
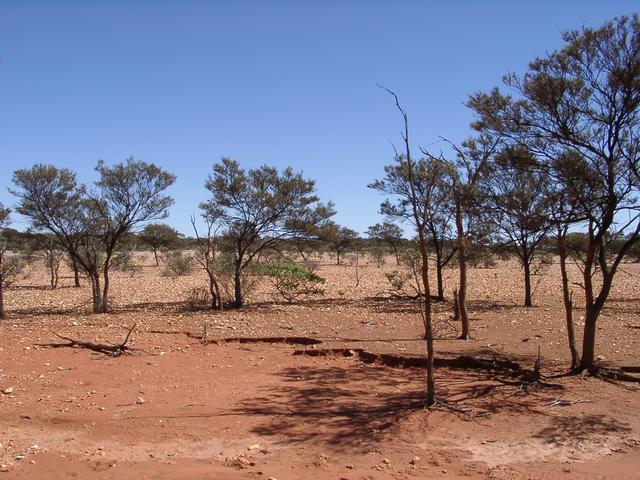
(291,280)
(197,299)
(12,267)
(177,264)
(122,261)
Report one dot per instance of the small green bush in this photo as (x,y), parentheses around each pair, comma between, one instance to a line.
(291,280)
(177,264)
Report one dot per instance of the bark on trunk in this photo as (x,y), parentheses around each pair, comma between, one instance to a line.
(2,314)
(104,308)
(462,267)
(526,265)
(76,271)
(237,287)
(155,256)
(568,301)
(431,384)
(96,292)
(439,277)
(589,339)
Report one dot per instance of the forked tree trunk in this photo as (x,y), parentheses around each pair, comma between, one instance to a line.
(214,291)
(591,311)
(462,267)
(567,297)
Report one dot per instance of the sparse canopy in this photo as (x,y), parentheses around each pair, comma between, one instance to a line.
(90,224)
(518,203)
(578,110)
(159,236)
(257,208)
(338,237)
(389,233)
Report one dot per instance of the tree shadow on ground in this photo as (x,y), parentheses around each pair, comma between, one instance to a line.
(571,430)
(356,405)
(340,406)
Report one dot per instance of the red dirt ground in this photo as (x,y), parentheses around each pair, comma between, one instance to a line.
(179,408)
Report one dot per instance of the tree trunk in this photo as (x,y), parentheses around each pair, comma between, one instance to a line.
(589,339)
(237,286)
(462,266)
(439,275)
(395,252)
(155,256)
(337,257)
(214,291)
(431,389)
(76,271)
(591,312)
(96,292)
(456,305)
(2,314)
(526,265)
(104,307)
(566,296)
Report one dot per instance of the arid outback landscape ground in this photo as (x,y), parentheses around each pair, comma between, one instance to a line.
(342,401)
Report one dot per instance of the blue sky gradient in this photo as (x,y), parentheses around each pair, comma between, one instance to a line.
(284,83)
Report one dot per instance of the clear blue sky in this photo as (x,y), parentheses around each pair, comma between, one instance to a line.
(181,83)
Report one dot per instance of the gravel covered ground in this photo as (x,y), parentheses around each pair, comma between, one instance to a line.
(180,408)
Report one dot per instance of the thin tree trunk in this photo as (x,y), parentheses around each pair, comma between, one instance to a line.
(431,384)
(591,313)
(96,292)
(104,308)
(2,314)
(526,265)
(237,286)
(462,266)
(566,295)
(589,339)
(395,252)
(76,271)
(155,255)
(439,275)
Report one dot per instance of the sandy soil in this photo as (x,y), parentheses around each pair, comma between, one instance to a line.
(179,408)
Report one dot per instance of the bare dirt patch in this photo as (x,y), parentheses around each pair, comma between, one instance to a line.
(179,408)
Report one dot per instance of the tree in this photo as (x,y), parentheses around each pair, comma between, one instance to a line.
(411,185)
(464,175)
(5,220)
(206,255)
(338,238)
(159,236)
(90,225)
(388,233)
(307,232)
(578,110)
(518,203)
(257,208)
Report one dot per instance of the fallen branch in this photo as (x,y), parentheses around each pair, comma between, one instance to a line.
(560,402)
(105,348)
